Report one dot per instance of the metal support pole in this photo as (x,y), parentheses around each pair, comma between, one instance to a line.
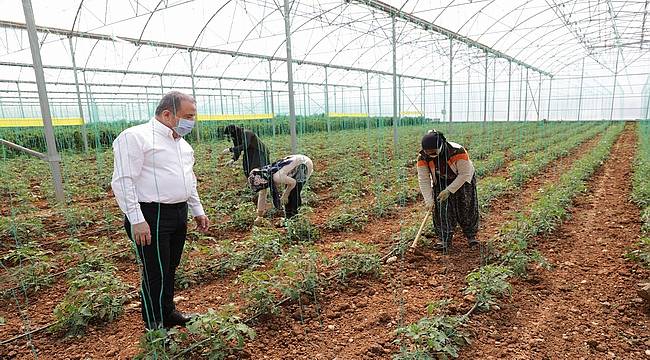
(368,93)
(548,105)
(451,76)
(266,99)
(368,100)
(304,100)
(20,100)
(539,94)
(647,106)
(395,114)
(308,99)
(611,111)
(379,102)
(494,85)
(148,101)
(223,110)
(509,81)
(162,88)
(526,97)
(400,98)
(424,100)
(84,130)
(52,154)
(327,104)
(521,79)
(582,74)
(27,151)
(444,100)
(196,127)
(469,80)
(485,89)
(292,105)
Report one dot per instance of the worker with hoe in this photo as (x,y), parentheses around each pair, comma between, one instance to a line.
(448,185)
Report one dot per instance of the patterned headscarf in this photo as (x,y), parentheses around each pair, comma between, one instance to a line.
(260,179)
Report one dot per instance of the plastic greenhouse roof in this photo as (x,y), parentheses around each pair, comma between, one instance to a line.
(550,35)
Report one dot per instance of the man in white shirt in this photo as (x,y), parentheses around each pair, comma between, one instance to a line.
(448,184)
(154,185)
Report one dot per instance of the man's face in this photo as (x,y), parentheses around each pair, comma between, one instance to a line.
(187,110)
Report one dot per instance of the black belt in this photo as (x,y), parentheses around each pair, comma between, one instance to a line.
(164,206)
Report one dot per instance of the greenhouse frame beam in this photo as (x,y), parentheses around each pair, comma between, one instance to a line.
(27,151)
(130,93)
(427,25)
(52,153)
(84,131)
(153,73)
(292,104)
(161,44)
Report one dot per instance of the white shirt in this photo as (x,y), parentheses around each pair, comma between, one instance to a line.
(285,174)
(151,166)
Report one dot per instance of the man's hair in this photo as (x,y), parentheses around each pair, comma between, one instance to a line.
(172,102)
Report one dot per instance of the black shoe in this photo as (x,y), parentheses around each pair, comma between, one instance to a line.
(177,318)
(472,242)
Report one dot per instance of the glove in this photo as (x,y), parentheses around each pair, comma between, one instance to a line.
(229,163)
(444,194)
(284,200)
(226,151)
(258,221)
(428,205)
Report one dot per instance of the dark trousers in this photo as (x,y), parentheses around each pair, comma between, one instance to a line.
(295,201)
(461,208)
(168,224)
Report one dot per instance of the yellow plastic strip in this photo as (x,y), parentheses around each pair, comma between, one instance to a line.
(411,113)
(333,114)
(226,117)
(35,122)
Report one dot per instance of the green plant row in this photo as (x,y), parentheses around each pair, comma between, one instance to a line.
(641,192)
(441,336)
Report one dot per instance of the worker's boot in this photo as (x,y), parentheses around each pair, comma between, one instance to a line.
(444,245)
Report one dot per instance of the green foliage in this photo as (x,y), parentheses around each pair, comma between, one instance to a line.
(349,220)
(95,294)
(159,344)
(294,274)
(29,267)
(356,260)
(517,256)
(435,336)
(300,229)
(21,229)
(220,334)
(243,216)
(213,335)
(77,217)
(488,283)
(642,254)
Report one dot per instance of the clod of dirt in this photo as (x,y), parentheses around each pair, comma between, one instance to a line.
(644,292)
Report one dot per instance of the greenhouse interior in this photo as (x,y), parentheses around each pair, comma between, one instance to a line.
(324,179)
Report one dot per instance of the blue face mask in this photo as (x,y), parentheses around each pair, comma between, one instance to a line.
(184,127)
